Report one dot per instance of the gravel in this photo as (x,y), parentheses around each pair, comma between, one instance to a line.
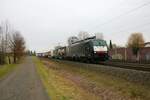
(23,84)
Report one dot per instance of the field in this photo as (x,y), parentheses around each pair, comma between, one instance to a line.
(70,81)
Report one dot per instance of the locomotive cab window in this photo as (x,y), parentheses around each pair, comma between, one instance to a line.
(99,43)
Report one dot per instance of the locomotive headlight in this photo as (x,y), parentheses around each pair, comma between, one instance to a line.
(100,48)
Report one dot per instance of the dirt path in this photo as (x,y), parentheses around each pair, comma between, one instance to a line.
(23,84)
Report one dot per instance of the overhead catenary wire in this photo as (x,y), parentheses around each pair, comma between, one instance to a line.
(121,15)
(137,26)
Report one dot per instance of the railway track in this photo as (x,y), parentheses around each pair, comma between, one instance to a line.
(125,65)
(135,66)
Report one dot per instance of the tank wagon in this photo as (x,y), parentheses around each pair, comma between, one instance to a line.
(87,50)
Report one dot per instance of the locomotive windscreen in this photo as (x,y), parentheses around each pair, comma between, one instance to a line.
(99,43)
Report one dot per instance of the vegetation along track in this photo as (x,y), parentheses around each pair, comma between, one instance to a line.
(125,65)
(94,78)
(135,66)
(127,73)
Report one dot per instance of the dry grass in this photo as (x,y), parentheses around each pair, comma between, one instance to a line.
(59,87)
(101,84)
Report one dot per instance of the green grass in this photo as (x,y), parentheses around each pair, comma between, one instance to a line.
(5,69)
(60,88)
(7,60)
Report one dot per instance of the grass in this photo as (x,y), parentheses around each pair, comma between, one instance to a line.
(120,86)
(5,69)
(11,59)
(60,88)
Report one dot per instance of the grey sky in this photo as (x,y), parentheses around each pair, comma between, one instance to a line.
(45,23)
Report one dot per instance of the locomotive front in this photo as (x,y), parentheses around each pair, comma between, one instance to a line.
(100,49)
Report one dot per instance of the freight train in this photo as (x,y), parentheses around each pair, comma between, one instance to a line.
(87,50)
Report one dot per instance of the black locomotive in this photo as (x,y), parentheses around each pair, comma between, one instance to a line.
(87,50)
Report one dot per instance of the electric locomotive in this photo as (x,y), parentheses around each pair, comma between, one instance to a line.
(90,49)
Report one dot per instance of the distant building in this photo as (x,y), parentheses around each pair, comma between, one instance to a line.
(127,54)
(39,54)
(147,44)
(44,54)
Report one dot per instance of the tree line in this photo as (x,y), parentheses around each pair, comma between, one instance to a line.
(135,42)
(12,44)
(31,53)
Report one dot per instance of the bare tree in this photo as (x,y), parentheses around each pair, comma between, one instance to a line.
(4,31)
(1,46)
(72,39)
(11,43)
(17,45)
(135,41)
(83,35)
(99,36)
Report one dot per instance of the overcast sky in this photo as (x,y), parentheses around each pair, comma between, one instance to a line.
(45,23)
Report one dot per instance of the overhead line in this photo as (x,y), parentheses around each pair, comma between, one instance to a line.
(128,12)
(133,27)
